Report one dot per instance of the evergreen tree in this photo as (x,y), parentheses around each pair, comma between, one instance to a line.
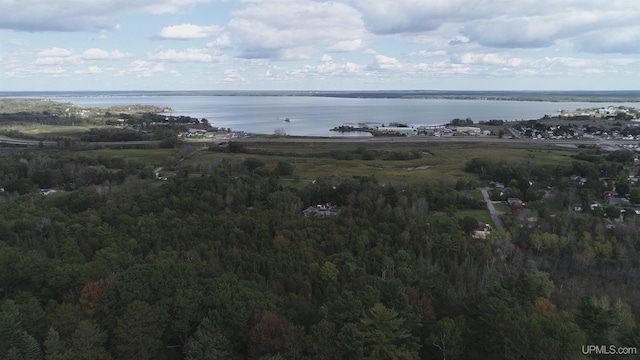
(15,342)
(384,334)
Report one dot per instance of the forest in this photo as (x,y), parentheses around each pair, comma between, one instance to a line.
(220,252)
(221,262)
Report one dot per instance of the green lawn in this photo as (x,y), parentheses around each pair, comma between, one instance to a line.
(480,215)
(294,184)
(501,207)
(476,194)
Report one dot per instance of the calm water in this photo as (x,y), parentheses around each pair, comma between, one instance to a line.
(315,116)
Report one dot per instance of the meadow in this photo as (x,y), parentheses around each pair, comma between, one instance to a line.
(437,161)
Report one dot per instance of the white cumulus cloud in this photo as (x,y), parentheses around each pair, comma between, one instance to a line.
(189,31)
(295,29)
(141,69)
(232,75)
(382,62)
(90,70)
(493,59)
(188,55)
(427,53)
(55,52)
(56,56)
(223,41)
(99,54)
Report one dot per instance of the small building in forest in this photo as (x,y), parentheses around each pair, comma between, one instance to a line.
(515,203)
(321,210)
(482,230)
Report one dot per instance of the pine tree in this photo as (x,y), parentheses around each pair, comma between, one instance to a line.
(384,334)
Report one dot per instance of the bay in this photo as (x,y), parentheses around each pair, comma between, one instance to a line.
(315,116)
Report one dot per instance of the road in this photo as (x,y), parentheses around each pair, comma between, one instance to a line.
(574,143)
(20,142)
(425,139)
(495,214)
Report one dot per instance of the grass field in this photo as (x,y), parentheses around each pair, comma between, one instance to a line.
(154,157)
(309,168)
(52,130)
(313,160)
(293,184)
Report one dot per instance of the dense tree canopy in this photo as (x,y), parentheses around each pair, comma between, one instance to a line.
(226,265)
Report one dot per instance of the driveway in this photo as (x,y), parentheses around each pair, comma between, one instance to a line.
(495,214)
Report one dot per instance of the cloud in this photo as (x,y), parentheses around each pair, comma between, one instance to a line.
(411,16)
(564,62)
(427,53)
(56,56)
(328,68)
(188,32)
(335,68)
(17,42)
(346,46)
(491,59)
(233,75)
(221,42)
(55,52)
(104,34)
(54,71)
(505,32)
(59,56)
(99,54)
(91,70)
(622,61)
(79,15)
(514,24)
(458,40)
(188,55)
(141,69)
(619,40)
(295,29)
(384,63)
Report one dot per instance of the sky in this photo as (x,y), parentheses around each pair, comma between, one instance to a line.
(66,45)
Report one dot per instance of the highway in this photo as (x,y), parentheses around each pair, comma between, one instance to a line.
(566,143)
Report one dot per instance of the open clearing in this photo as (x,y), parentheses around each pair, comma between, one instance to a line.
(438,161)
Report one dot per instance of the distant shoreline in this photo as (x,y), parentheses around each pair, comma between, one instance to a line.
(547,96)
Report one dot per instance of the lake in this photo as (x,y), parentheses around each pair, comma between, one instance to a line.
(315,116)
